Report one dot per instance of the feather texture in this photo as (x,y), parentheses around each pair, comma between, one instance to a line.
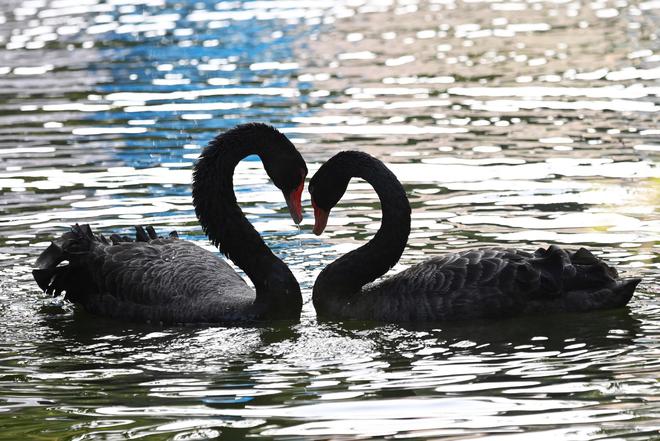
(493,283)
(148,279)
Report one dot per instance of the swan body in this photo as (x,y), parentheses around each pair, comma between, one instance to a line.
(169,280)
(149,279)
(471,284)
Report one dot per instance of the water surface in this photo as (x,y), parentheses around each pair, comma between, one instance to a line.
(512,124)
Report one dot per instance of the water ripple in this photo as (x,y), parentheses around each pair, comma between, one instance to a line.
(509,123)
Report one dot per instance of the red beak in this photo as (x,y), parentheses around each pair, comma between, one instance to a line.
(294,203)
(320,219)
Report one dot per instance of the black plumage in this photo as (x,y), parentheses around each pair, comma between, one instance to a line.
(169,280)
(472,284)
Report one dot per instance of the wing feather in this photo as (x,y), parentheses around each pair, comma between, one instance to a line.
(493,282)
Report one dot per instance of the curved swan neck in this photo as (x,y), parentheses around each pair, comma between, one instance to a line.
(348,274)
(223,220)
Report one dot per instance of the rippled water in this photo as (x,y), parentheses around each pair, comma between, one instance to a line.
(510,123)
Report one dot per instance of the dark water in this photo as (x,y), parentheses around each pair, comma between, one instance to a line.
(510,123)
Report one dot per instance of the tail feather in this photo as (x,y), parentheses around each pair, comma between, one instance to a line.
(581,279)
(54,272)
(50,257)
(624,289)
(145,234)
(151,232)
(61,266)
(140,234)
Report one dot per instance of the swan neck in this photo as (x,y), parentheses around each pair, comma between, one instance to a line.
(226,225)
(347,275)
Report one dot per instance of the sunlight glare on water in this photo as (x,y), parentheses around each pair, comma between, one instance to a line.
(510,123)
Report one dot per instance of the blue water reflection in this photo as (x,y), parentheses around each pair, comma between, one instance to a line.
(160,54)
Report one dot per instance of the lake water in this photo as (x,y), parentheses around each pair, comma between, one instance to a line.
(510,123)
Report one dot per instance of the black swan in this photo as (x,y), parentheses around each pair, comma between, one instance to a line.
(172,281)
(472,284)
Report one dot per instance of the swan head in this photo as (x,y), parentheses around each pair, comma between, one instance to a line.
(328,185)
(285,167)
